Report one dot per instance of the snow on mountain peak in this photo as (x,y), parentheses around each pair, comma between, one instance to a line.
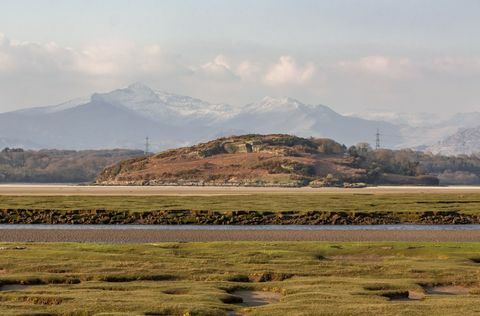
(138,86)
(189,106)
(162,106)
(272,104)
(284,104)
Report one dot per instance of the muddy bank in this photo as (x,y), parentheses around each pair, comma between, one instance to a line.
(182,217)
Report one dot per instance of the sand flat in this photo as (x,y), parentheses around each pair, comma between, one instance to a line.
(61,189)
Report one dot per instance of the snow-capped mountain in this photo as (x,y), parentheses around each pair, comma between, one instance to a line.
(466,141)
(160,106)
(287,115)
(124,117)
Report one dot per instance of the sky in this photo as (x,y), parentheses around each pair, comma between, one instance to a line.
(352,55)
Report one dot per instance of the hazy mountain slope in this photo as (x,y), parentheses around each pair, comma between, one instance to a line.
(97,124)
(286,115)
(465,141)
(424,130)
(55,108)
(16,143)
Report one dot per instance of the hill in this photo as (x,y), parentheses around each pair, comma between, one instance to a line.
(262,160)
(58,166)
(124,117)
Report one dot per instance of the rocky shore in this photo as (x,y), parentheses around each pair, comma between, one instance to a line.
(183,217)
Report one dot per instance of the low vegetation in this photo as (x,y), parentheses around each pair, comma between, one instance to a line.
(302,278)
(468,203)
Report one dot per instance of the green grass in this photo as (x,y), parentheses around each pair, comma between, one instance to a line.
(196,278)
(414,202)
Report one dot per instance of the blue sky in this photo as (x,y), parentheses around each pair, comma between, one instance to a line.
(352,55)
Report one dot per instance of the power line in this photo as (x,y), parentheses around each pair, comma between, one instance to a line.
(146,145)
(377,139)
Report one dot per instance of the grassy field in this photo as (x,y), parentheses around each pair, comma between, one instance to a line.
(201,278)
(351,202)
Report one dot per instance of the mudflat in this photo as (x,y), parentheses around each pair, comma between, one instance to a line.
(151,236)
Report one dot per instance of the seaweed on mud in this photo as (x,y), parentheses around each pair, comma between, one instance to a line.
(239,278)
(131,278)
(176,291)
(379,287)
(396,295)
(231,299)
(320,257)
(269,276)
(475,259)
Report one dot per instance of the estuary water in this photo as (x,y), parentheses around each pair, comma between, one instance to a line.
(395,227)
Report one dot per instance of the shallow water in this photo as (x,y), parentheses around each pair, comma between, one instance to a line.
(447,290)
(396,227)
(257,298)
(13,287)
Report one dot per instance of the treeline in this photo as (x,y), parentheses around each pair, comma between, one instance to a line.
(58,166)
(448,169)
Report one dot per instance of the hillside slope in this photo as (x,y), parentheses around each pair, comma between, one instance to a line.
(252,160)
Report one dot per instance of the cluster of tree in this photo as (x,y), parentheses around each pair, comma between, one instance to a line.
(448,169)
(58,166)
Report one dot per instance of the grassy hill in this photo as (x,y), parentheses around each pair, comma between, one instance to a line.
(260,160)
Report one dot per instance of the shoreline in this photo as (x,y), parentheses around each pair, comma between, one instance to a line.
(118,190)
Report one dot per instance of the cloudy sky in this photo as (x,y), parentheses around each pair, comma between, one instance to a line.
(356,55)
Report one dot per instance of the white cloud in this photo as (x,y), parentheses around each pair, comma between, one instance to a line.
(218,69)
(286,71)
(5,62)
(249,71)
(456,66)
(97,60)
(52,73)
(378,65)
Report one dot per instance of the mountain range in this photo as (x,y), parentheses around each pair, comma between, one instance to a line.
(123,118)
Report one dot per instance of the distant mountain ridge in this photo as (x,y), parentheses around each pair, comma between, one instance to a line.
(466,141)
(124,117)
(433,132)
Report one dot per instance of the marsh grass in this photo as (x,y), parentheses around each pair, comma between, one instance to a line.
(201,278)
(263,202)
